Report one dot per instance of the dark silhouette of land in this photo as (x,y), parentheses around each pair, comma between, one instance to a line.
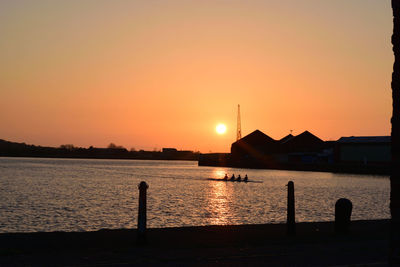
(315,244)
(304,152)
(12,149)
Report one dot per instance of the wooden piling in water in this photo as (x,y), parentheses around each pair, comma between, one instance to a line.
(142,217)
(291,222)
(343,208)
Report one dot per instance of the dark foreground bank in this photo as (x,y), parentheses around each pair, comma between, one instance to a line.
(314,244)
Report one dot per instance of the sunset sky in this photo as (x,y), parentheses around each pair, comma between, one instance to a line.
(152,74)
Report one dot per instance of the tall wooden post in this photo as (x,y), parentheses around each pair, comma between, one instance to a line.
(142,217)
(343,208)
(395,175)
(291,222)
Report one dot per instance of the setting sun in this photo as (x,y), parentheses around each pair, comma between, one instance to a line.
(221,128)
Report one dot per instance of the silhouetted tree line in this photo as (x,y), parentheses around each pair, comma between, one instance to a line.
(12,149)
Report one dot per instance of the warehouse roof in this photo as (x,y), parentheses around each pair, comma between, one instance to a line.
(365,139)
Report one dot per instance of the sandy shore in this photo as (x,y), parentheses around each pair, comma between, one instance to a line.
(251,245)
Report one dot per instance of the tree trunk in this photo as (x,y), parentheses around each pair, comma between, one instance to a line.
(395,175)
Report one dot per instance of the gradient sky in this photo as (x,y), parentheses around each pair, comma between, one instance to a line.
(152,74)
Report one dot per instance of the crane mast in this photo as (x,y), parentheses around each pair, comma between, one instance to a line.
(239,127)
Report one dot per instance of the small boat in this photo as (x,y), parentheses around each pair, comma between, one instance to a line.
(223,180)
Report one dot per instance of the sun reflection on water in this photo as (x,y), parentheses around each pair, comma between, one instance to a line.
(219,173)
(219,199)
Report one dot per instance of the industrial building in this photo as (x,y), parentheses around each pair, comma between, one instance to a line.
(258,148)
(364,150)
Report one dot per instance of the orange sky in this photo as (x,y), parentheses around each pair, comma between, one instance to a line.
(153,74)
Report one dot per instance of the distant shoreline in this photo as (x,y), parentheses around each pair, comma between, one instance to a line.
(224,160)
(344,169)
(115,158)
(18,150)
(13,149)
(333,168)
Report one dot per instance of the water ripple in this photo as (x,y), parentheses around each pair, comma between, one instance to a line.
(82,195)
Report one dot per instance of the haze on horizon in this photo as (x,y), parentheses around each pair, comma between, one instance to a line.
(153,74)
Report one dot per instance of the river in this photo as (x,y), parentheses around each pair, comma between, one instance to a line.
(38,194)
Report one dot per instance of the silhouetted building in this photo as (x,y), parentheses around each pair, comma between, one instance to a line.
(215,159)
(173,153)
(306,152)
(302,148)
(286,138)
(363,149)
(254,148)
(169,150)
(258,148)
(304,142)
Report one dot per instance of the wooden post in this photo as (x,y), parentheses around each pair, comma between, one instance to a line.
(141,231)
(343,208)
(291,222)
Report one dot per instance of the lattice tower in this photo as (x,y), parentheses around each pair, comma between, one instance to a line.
(239,127)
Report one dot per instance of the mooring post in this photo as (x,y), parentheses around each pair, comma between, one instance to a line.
(343,208)
(291,223)
(141,231)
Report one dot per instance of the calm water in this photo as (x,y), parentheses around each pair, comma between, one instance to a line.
(81,194)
